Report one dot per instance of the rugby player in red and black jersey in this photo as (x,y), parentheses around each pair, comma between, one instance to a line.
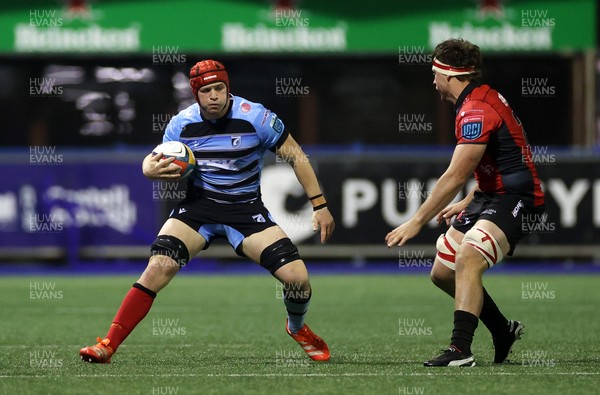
(492,145)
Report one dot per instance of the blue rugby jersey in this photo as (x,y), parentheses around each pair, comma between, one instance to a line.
(229,151)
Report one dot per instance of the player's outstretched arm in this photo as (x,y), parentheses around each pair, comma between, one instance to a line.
(463,164)
(156,169)
(322,219)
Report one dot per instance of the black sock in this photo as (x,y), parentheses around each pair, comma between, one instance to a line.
(465,324)
(491,316)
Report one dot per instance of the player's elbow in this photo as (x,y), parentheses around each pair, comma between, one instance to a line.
(456,179)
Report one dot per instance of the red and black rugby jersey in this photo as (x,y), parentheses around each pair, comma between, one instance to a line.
(483,116)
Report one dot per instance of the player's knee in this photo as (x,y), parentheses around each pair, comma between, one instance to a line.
(469,259)
(446,250)
(161,267)
(461,256)
(278,254)
(436,279)
(441,277)
(158,273)
(479,246)
(172,248)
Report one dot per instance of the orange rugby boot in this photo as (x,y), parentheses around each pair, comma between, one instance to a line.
(100,353)
(312,344)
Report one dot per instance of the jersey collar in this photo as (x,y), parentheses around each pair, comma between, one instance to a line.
(468,89)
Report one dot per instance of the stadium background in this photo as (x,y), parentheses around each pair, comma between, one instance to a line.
(89,86)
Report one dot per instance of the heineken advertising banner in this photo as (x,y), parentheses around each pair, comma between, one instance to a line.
(282,26)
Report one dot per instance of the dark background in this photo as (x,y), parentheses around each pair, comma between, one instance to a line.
(352,100)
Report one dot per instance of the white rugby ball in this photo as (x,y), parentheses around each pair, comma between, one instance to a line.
(184,156)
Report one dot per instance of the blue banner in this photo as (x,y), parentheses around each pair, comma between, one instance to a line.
(76,205)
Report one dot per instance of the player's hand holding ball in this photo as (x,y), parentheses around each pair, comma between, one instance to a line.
(169,161)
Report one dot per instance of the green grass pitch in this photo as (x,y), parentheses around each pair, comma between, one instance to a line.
(225,335)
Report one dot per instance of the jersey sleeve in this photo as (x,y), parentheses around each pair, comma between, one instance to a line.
(270,129)
(475,123)
(173,130)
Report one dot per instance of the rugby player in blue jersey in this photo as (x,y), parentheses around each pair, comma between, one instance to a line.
(229,136)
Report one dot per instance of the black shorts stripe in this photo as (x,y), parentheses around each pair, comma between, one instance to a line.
(244,182)
(224,154)
(227,197)
(221,126)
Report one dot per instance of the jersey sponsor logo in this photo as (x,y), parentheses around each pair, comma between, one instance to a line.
(487,169)
(502,99)
(216,164)
(236,141)
(462,218)
(472,127)
(245,107)
(518,207)
(489,211)
(276,124)
(264,118)
(258,218)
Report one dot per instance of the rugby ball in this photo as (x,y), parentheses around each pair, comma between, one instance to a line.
(184,157)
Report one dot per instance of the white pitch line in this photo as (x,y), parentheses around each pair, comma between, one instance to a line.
(481,373)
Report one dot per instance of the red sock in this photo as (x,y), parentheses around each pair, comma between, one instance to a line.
(134,308)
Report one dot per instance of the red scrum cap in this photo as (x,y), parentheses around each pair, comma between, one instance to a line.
(207,72)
